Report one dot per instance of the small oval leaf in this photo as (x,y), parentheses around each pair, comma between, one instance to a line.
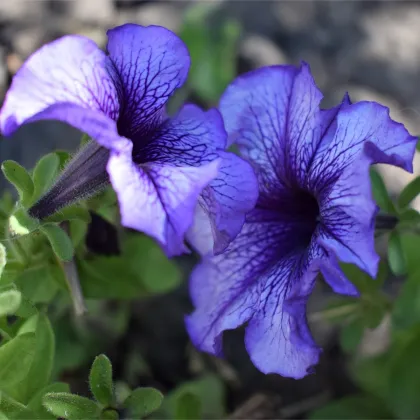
(59,240)
(188,407)
(409,193)
(44,174)
(143,401)
(380,193)
(70,213)
(100,380)
(9,302)
(396,257)
(70,406)
(21,180)
(16,358)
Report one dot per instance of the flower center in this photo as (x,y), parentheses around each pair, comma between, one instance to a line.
(306,211)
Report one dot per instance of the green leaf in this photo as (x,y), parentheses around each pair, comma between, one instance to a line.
(352,407)
(38,283)
(188,407)
(44,174)
(21,180)
(380,193)
(9,302)
(411,245)
(371,374)
(409,193)
(78,231)
(109,277)
(60,241)
(364,283)
(404,379)
(70,406)
(406,308)
(213,50)
(396,257)
(210,392)
(158,274)
(20,223)
(11,271)
(351,335)
(100,380)
(16,358)
(109,414)
(40,371)
(143,401)
(26,308)
(3,258)
(35,403)
(74,212)
(407,219)
(63,157)
(13,409)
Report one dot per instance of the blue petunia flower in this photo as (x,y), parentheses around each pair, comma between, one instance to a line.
(315,208)
(165,170)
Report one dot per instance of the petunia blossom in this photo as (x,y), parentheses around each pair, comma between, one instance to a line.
(164,169)
(315,209)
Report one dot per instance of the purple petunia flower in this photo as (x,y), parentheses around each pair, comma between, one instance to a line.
(160,167)
(315,208)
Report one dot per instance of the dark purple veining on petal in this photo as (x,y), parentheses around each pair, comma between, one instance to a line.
(315,209)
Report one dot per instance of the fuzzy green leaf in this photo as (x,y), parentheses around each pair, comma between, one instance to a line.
(9,302)
(59,240)
(70,406)
(74,212)
(100,380)
(16,357)
(40,371)
(35,403)
(44,174)
(143,401)
(21,180)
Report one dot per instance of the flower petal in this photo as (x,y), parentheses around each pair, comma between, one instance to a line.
(151,63)
(226,201)
(363,127)
(66,80)
(273,115)
(340,175)
(158,199)
(255,281)
(348,218)
(190,138)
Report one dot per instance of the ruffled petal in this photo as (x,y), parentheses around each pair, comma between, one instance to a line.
(255,280)
(348,218)
(67,80)
(225,202)
(151,63)
(340,177)
(157,199)
(254,110)
(364,127)
(273,115)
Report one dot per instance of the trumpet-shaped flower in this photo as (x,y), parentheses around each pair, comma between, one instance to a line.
(315,209)
(160,167)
